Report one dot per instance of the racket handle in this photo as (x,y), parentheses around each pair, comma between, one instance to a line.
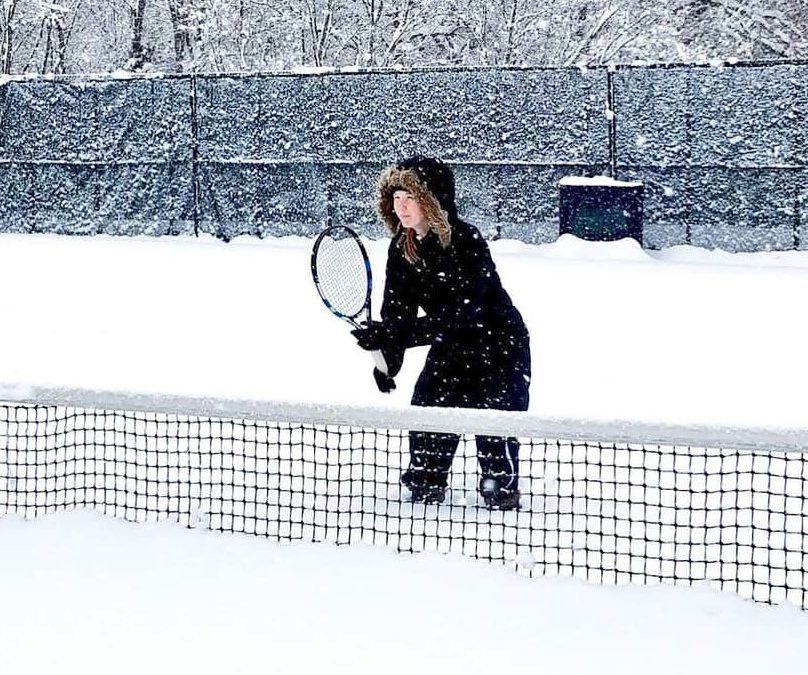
(381,364)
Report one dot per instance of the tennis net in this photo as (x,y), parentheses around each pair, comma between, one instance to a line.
(608,503)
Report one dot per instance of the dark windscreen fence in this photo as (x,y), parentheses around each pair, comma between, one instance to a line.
(720,150)
(96,156)
(607,512)
(286,154)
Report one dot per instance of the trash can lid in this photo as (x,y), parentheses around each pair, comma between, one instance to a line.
(599,181)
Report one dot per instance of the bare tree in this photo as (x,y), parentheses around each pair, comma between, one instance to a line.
(237,35)
(748,29)
(137,53)
(317,30)
(48,36)
(180,30)
(7,19)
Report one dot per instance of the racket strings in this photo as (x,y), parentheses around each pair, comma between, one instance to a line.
(342,275)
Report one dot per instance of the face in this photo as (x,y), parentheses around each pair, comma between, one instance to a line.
(409,212)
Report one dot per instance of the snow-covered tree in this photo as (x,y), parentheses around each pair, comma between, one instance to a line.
(8,10)
(246,35)
(744,29)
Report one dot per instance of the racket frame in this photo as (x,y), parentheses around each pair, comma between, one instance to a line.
(352,319)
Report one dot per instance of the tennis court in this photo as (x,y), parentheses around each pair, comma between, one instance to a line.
(684,336)
(697,475)
(195,382)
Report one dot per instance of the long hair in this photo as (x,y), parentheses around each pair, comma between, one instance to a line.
(409,244)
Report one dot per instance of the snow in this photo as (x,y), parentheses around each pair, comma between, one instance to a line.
(452,420)
(598,181)
(683,336)
(86,594)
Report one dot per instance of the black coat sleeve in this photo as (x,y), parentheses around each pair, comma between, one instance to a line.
(399,307)
(470,282)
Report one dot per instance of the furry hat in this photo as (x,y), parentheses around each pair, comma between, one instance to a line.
(431,182)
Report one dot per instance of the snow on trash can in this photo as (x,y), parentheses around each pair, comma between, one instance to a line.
(600,208)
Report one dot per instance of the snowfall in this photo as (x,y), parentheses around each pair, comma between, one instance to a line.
(681,336)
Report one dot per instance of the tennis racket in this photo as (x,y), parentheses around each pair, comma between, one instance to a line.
(341,271)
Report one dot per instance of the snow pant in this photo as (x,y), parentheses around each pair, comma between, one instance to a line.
(497,378)
(431,456)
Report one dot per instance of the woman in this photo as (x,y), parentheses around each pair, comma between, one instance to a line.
(480,348)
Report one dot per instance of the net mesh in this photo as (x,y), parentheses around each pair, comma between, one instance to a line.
(341,271)
(608,513)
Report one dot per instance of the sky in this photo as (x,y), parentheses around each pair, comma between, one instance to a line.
(685,335)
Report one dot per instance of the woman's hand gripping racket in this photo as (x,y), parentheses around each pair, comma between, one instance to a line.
(341,271)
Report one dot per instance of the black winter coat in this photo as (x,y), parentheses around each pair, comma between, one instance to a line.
(480,354)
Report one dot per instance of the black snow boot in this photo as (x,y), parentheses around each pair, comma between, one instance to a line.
(423,493)
(498,497)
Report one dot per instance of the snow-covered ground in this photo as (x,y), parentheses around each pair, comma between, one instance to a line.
(83,594)
(680,336)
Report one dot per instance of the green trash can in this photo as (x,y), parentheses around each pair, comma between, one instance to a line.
(600,208)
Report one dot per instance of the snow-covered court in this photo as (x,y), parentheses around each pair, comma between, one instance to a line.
(620,337)
(85,594)
(683,335)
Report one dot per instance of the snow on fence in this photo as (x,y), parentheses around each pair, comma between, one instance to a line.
(721,150)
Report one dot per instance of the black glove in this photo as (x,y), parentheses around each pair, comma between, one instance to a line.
(385,383)
(374,336)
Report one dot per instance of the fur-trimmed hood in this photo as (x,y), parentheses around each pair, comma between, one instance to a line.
(431,182)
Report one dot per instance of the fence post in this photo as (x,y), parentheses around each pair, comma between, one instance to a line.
(612,113)
(195,154)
